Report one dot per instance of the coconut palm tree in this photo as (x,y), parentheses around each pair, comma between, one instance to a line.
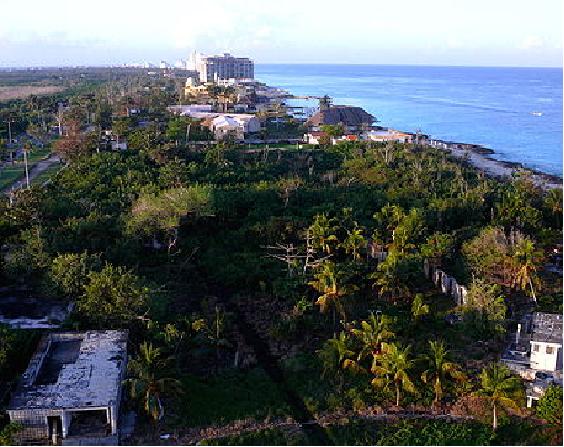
(147,381)
(334,355)
(499,387)
(418,307)
(371,334)
(354,242)
(526,259)
(392,367)
(439,368)
(327,283)
(323,233)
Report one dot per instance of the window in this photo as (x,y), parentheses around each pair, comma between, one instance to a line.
(536,348)
(549,350)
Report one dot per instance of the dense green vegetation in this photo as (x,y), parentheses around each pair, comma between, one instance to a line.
(248,277)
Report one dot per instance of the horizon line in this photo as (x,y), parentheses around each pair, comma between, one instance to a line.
(121,65)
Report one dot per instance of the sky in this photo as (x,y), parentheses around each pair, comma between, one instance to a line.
(428,32)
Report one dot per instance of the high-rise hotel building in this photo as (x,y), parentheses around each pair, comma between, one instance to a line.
(215,68)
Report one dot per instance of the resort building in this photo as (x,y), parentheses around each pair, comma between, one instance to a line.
(351,119)
(226,66)
(71,390)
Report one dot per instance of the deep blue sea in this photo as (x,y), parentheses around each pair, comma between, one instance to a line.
(517,112)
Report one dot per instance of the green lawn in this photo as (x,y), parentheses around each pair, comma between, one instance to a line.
(228,397)
(47,174)
(273,436)
(11,173)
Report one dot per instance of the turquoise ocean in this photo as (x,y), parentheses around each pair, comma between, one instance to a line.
(517,112)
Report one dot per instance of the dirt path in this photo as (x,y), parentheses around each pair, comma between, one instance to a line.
(37,169)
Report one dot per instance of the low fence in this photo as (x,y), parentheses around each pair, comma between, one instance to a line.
(448,285)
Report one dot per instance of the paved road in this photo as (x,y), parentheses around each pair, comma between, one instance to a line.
(39,167)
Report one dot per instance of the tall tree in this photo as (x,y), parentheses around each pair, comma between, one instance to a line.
(439,368)
(500,388)
(526,260)
(392,367)
(148,382)
(113,296)
(371,334)
(328,282)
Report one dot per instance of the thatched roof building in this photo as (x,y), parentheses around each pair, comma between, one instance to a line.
(349,116)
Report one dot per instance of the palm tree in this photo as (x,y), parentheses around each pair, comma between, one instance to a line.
(418,307)
(323,233)
(372,334)
(499,387)
(439,368)
(525,257)
(393,366)
(147,381)
(334,355)
(327,283)
(354,242)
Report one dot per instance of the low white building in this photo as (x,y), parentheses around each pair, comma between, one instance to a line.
(237,126)
(190,109)
(71,391)
(535,353)
(385,135)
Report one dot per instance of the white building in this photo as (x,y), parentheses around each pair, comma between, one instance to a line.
(385,135)
(546,342)
(190,109)
(236,126)
(223,67)
(536,353)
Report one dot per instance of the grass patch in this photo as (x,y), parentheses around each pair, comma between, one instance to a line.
(228,397)
(410,432)
(273,436)
(47,174)
(11,173)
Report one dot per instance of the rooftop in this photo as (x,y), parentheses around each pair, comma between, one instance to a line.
(547,328)
(73,370)
(347,115)
(19,308)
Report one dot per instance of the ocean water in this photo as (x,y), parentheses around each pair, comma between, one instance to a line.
(517,112)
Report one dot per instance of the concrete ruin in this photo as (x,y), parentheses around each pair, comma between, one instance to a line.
(21,309)
(70,393)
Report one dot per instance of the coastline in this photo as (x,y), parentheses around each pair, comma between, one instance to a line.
(478,156)
(481,159)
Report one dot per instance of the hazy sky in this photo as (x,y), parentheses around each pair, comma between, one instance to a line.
(434,32)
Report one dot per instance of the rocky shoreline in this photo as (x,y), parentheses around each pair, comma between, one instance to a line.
(481,159)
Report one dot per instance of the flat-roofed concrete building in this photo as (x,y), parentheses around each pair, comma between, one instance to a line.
(71,390)
(546,342)
(226,66)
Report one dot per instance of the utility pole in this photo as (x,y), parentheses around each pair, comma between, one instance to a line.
(10,121)
(26,170)
(60,119)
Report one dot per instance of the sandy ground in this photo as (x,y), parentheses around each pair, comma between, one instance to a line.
(23,91)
